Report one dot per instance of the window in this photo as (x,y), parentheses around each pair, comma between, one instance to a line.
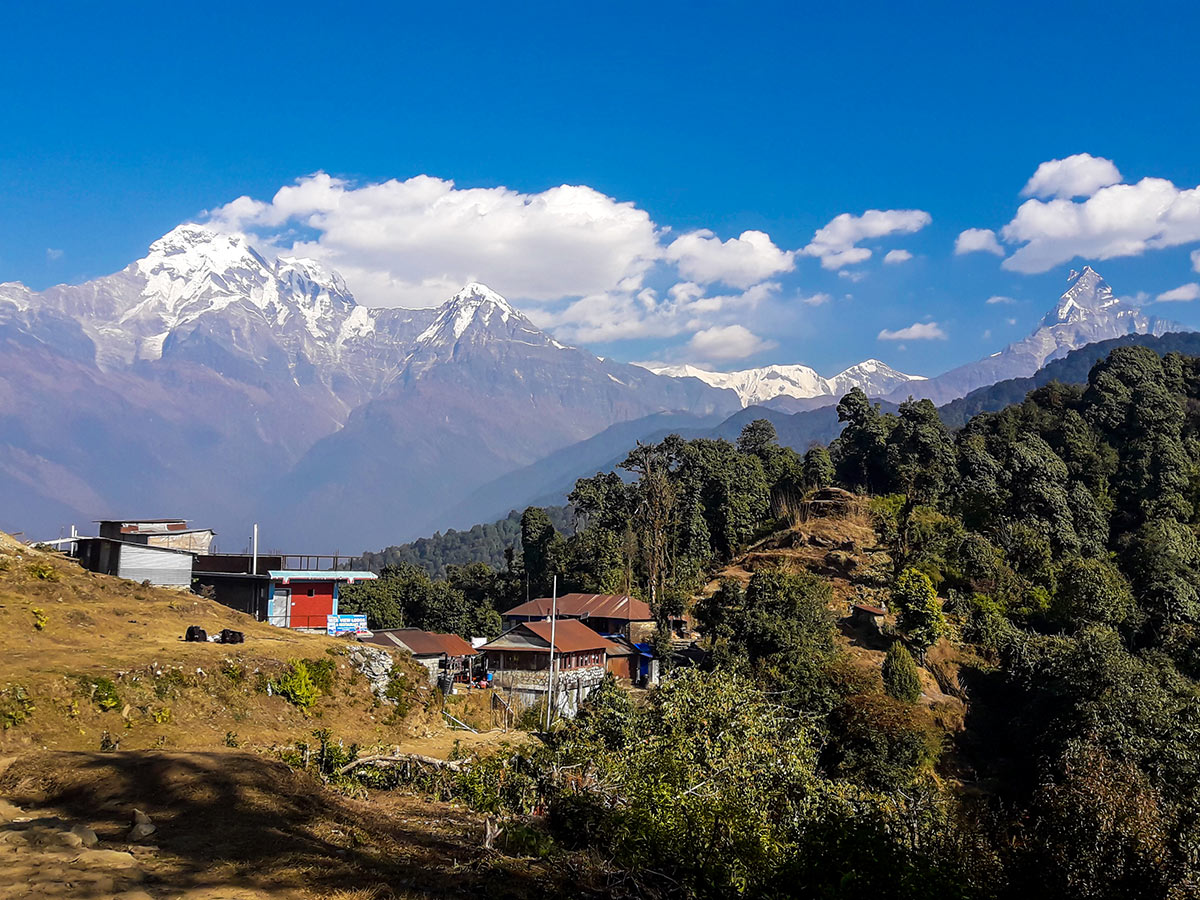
(312,592)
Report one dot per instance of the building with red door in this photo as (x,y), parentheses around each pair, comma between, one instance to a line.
(300,598)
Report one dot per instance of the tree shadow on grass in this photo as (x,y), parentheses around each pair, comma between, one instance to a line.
(237,821)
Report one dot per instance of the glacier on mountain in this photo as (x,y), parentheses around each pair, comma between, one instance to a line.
(761,385)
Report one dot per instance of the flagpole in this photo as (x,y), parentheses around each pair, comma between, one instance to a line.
(553,620)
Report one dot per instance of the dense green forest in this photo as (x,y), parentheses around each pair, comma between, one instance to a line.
(1050,547)
(481,543)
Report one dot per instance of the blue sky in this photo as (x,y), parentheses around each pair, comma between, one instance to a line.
(119,121)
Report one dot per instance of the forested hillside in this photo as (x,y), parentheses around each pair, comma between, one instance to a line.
(1048,551)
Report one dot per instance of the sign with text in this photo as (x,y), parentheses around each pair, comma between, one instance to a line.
(335,625)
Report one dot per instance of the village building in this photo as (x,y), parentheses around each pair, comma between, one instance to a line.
(172,534)
(438,653)
(306,599)
(160,566)
(603,613)
(519,662)
(632,662)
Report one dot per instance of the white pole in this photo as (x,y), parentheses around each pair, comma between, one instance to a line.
(553,620)
(254,551)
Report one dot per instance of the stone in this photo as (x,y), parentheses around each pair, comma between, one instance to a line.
(70,839)
(105,859)
(142,827)
(86,835)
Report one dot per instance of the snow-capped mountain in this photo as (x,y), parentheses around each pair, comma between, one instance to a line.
(1088,311)
(756,387)
(207,379)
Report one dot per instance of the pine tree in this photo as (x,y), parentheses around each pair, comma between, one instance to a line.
(900,678)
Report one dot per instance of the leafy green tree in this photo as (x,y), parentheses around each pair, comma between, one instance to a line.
(1091,591)
(542,551)
(920,453)
(860,453)
(818,468)
(779,629)
(921,617)
(758,438)
(900,678)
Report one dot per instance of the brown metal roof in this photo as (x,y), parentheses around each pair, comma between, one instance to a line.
(423,643)
(570,636)
(608,606)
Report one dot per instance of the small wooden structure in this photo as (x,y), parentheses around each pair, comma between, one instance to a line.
(869,616)
(436,651)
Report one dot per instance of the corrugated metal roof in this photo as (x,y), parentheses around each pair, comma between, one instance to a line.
(424,643)
(327,575)
(570,636)
(608,606)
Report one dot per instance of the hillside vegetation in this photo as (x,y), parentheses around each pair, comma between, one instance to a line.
(1024,723)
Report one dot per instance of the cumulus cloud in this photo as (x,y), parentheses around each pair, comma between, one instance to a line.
(897,256)
(836,244)
(1080,175)
(1184,292)
(918,331)
(1118,220)
(738,262)
(725,342)
(977,240)
(816,299)
(992,301)
(415,242)
(617,315)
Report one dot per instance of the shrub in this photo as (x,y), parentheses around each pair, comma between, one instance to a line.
(900,678)
(102,691)
(296,686)
(16,706)
(43,571)
(40,619)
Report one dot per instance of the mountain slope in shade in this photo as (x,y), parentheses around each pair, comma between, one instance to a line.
(769,383)
(1087,312)
(208,381)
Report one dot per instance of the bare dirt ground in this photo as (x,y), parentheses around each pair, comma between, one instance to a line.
(91,661)
(237,826)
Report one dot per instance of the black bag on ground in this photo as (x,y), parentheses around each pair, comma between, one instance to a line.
(229,636)
(196,633)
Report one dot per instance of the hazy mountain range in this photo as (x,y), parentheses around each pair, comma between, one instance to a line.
(207,381)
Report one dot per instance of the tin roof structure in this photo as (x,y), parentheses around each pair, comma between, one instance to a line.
(579,606)
(422,643)
(570,636)
(286,575)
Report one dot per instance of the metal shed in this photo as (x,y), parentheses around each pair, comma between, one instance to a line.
(137,562)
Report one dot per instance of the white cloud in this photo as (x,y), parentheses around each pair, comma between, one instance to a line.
(992,301)
(897,256)
(415,242)
(918,331)
(1119,220)
(1196,260)
(1080,175)
(617,315)
(727,342)
(836,244)
(816,299)
(52,254)
(1011,321)
(738,262)
(1182,293)
(987,334)
(977,240)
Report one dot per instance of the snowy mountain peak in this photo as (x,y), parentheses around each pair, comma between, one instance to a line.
(755,386)
(1088,293)
(475,305)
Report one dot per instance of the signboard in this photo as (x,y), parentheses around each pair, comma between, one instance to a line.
(335,625)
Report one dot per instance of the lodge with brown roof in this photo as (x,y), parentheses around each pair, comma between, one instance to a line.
(603,613)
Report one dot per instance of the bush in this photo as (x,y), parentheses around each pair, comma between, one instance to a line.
(43,571)
(16,706)
(297,687)
(101,691)
(900,678)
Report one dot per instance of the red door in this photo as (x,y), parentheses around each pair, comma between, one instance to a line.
(312,602)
